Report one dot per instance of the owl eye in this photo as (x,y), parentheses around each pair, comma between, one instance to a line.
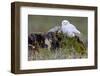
(65,22)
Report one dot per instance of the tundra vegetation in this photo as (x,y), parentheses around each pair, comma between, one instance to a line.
(68,48)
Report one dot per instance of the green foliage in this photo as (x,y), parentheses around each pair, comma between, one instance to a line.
(70,49)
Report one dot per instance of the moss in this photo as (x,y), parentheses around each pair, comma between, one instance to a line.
(70,49)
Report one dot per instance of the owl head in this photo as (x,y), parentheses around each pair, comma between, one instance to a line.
(65,22)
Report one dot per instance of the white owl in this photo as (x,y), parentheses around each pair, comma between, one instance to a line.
(69,29)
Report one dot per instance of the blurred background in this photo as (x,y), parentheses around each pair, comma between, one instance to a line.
(41,23)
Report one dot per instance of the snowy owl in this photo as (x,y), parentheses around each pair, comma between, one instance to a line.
(69,29)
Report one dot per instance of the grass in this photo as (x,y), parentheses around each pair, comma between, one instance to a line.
(70,49)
